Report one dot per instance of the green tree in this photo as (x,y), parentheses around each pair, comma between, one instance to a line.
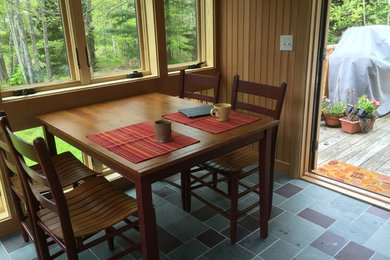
(349,13)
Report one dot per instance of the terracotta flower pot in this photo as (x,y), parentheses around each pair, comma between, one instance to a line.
(332,121)
(367,124)
(350,127)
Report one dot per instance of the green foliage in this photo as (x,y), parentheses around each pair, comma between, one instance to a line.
(370,106)
(336,109)
(181,30)
(350,13)
(17,78)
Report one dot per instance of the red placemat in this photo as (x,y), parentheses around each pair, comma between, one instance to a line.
(136,142)
(211,124)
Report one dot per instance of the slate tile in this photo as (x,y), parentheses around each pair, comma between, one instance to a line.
(210,238)
(255,244)
(288,190)
(204,213)
(297,203)
(13,242)
(316,217)
(354,251)
(329,243)
(164,192)
(190,250)
(186,228)
(241,233)
(279,250)
(385,214)
(379,241)
(227,251)
(166,241)
(310,253)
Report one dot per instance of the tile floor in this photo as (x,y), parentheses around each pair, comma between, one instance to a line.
(308,222)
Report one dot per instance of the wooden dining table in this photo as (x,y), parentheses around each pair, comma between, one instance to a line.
(73,126)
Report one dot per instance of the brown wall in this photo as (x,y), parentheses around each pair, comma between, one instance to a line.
(249,40)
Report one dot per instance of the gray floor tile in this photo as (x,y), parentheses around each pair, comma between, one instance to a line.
(300,183)
(359,230)
(311,253)
(190,250)
(279,250)
(13,242)
(218,222)
(3,253)
(166,241)
(281,178)
(355,252)
(186,228)
(168,214)
(349,204)
(379,212)
(333,212)
(329,243)
(297,203)
(26,252)
(294,230)
(378,256)
(278,199)
(320,193)
(255,244)
(227,251)
(379,241)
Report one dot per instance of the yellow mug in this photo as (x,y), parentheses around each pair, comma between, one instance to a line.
(221,111)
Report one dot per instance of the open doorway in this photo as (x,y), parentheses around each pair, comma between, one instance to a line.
(358,162)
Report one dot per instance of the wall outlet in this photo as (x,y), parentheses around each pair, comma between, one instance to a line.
(286,42)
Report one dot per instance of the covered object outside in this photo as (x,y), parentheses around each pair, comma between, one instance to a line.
(361,61)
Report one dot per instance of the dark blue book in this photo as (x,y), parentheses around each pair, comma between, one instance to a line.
(196,111)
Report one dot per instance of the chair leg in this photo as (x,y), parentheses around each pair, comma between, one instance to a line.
(233,207)
(186,190)
(215,177)
(41,244)
(110,241)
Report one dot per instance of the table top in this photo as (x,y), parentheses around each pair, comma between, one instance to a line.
(74,125)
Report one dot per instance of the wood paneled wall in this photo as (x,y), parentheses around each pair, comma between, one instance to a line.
(249,40)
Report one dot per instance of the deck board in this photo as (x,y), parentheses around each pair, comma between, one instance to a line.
(370,150)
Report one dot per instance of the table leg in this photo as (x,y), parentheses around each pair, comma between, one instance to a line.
(147,219)
(51,143)
(264,180)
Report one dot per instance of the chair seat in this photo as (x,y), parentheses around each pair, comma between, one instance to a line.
(93,206)
(233,162)
(70,170)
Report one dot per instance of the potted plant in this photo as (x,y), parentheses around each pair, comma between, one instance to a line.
(350,124)
(367,112)
(333,112)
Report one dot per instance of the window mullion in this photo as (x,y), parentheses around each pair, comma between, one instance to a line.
(79,41)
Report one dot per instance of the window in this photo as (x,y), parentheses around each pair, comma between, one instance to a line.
(181,26)
(49,44)
(31,43)
(112,36)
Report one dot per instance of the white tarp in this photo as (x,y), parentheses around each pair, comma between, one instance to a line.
(361,61)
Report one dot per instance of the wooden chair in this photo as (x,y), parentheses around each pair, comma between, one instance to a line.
(72,217)
(69,168)
(190,87)
(231,166)
(192,84)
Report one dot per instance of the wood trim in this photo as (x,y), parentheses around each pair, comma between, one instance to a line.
(363,195)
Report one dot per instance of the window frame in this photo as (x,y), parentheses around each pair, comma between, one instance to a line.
(206,37)
(76,49)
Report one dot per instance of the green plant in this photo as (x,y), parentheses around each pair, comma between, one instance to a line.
(325,104)
(337,109)
(369,106)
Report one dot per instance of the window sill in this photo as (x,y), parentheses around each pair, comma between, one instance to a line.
(106,84)
(177,72)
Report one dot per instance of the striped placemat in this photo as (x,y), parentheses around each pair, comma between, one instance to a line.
(136,143)
(211,124)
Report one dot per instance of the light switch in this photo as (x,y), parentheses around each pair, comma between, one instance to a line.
(286,42)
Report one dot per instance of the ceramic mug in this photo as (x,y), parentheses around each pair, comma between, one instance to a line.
(162,131)
(221,111)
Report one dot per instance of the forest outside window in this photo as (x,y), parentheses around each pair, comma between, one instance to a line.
(51,44)
(112,36)
(32,43)
(181,26)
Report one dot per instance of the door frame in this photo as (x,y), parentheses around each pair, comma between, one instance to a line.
(318,39)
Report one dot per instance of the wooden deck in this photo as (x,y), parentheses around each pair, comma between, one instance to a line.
(370,150)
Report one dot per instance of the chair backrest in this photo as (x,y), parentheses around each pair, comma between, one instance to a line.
(274,93)
(192,84)
(38,152)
